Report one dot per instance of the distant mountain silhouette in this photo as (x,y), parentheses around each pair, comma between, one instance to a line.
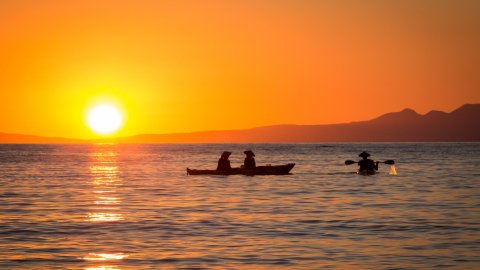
(461,125)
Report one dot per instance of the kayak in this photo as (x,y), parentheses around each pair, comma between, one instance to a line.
(366,172)
(260,170)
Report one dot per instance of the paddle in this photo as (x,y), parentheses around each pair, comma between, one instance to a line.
(350,162)
(389,162)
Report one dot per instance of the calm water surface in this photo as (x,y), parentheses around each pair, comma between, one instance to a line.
(133,207)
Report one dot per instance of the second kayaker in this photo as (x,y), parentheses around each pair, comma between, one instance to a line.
(249,162)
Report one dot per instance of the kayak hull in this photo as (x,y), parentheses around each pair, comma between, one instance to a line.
(366,172)
(260,170)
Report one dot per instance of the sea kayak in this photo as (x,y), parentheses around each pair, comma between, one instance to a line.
(260,170)
(366,172)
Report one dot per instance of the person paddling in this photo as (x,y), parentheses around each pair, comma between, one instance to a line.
(249,162)
(224,162)
(366,164)
(370,167)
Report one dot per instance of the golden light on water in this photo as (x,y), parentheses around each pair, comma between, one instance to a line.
(95,217)
(103,267)
(107,200)
(105,181)
(104,256)
(106,203)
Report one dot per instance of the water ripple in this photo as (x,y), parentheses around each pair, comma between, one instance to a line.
(112,207)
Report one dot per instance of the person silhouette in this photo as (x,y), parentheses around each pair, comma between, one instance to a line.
(367,164)
(249,162)
(224,162)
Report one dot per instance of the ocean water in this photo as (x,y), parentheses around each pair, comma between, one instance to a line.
(108,206)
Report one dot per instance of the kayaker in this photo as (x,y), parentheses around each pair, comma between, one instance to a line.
(249,162)
(367,164)
(224,162)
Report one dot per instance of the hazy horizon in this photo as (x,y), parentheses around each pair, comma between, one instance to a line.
(455,126)
(203,130)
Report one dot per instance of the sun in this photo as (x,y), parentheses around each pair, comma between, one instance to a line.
(104,119)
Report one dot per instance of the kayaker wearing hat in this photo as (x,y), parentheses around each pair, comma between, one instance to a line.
(224,162)
(249,162)
(367,164)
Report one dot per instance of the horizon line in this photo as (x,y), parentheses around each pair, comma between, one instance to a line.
(101,139)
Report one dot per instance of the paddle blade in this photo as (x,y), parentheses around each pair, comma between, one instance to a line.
(349,162)
(389,162)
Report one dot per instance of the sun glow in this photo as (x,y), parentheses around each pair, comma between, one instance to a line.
(104,119)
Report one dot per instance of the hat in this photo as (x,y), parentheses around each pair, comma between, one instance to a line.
(364,154)
(249,153)
(226,153)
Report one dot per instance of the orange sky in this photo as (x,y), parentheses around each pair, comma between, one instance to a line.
(180,66)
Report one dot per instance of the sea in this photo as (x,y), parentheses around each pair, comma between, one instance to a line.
(132,206)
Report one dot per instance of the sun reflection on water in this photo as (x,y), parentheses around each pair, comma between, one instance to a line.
(103,267)
(105,181)
(104,256)
(106,201)
(104,217)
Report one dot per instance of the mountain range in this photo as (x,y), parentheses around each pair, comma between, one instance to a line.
(460,125)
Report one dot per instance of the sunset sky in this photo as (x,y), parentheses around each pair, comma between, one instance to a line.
(181,66)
